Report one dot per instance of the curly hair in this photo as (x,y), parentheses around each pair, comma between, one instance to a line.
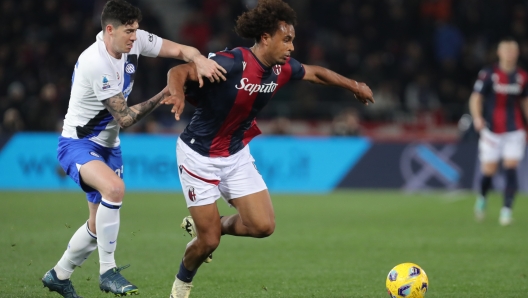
(264,18)
(119,12)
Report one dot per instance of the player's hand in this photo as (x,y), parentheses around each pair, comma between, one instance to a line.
(362,93)
(478,123)
(177,101)
(210,69)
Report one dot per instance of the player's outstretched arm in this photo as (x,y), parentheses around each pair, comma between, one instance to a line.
(205,67)
(125,115)
(176,79)
(475,109)
(324,76)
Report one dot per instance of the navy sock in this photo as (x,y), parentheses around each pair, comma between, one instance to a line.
(485,185)
(184,274)
(511,187)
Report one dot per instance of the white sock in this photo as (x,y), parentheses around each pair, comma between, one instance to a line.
(107,225)
(81,246)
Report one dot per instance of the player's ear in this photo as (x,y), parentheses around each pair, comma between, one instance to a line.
(265,38)
(108,29)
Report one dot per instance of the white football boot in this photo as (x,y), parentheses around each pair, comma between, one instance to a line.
(180,289)
(505,218)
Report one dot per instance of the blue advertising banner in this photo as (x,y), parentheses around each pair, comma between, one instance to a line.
(288,164)
(415,166)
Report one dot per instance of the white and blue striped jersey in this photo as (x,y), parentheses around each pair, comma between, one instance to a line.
(98,76)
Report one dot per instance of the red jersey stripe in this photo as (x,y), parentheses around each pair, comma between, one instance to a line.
(499,113)
(239,112)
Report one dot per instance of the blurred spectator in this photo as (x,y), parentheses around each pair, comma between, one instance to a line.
(280,126)
(420,96)
(347,123)
(43,111)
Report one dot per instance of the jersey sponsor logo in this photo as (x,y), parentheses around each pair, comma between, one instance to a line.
(130,68)
(252,88)
(106,84)
(277,69)
(513,89)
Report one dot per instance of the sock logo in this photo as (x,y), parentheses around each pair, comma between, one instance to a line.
(112,242)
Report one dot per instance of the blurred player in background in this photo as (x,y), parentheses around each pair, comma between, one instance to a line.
(212,155)
(498,106)
(89,149)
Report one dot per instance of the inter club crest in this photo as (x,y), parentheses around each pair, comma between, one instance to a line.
(192,195)
(277,69)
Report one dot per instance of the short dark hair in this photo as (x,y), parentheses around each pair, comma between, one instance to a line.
(507,39)
(264,18)
(119,12)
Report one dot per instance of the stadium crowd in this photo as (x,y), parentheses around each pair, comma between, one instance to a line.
(420,57)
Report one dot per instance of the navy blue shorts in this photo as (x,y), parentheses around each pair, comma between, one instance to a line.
(73,153)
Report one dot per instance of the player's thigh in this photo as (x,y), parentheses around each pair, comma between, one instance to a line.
(514,148)
(207,222)
(256,210)
(489,168)
(490,147)
(99,176)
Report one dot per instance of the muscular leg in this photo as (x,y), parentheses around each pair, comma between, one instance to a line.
(101,177)
(207,224)
(80,247)
(255,218)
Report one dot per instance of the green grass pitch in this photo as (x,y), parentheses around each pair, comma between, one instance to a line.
(337,245)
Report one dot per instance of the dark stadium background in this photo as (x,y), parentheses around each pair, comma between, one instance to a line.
(420,57)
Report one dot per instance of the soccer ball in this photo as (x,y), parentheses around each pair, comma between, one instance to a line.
(407,280)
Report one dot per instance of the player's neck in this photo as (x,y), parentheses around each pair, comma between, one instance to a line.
(507,67)
(108,46)
(259,53)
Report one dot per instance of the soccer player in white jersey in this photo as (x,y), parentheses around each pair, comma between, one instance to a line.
(89,148)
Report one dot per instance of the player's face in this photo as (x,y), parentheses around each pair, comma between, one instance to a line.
(508,52)
(281,43)
(124,37)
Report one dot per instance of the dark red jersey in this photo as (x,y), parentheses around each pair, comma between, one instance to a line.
(502,93)
(224,119)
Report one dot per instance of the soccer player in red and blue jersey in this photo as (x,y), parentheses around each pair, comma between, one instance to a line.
(213,154)
(498,106)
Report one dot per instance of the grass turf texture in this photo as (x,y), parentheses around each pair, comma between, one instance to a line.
(336,245)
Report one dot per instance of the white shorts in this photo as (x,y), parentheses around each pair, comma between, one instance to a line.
(508,145)
(205,179)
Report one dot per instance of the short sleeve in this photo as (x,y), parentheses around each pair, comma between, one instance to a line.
(149,44)
(297,68)
(483,83)
(226,59)
(103,80)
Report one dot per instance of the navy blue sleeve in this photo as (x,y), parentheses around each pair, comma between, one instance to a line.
(225,59)
(483,84)
(297,69)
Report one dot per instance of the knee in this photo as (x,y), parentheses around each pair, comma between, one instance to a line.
(115,191)
(264,230)
(209,243)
